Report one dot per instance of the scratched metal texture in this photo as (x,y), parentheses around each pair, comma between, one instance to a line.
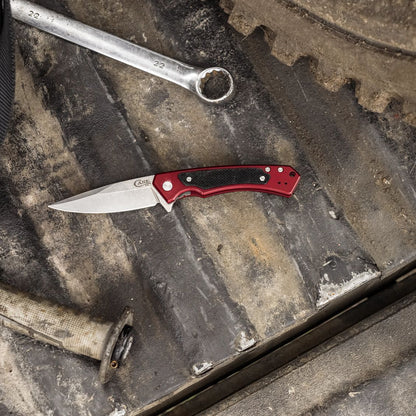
(214,275)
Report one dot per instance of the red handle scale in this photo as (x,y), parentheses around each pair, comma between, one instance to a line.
(203,182)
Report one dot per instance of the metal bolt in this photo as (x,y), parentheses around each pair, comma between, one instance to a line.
(188,179)
(262,178)
(280,170)
(267,169)
(167,185)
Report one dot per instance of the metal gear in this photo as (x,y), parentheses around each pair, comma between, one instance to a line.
(371,43)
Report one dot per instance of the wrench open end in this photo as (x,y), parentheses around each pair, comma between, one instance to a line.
(214,85)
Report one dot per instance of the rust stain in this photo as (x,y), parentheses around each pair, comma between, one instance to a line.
(191,140)
(283,150)
(257,270)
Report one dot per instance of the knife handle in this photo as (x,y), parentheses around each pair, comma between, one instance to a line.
(203,182)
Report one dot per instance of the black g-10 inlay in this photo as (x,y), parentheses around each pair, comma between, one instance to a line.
(207,179)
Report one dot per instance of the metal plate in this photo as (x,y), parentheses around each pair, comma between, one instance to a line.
(214,277)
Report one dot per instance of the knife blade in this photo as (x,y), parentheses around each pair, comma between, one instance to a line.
(166,188)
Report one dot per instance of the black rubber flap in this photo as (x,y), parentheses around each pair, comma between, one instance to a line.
(6,67)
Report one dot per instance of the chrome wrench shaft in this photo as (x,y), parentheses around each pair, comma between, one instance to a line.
(192,78)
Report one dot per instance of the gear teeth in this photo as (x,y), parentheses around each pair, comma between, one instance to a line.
(372,99)
(292,33)
(285,49)
(240,20)
(329,77)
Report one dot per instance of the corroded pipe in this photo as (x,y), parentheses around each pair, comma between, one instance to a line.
(108,342)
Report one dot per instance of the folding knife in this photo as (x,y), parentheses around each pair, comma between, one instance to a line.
(166,188)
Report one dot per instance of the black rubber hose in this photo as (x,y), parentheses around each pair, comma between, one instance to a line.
(7,79)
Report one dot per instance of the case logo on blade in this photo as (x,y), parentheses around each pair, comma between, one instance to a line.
(140,183)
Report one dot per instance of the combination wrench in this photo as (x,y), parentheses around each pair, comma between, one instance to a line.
(213,85)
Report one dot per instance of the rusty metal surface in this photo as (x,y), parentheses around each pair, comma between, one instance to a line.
(214,276)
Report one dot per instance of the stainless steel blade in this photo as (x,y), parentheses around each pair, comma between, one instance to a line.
(122,196)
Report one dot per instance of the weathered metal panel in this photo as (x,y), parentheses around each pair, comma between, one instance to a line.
(215,275)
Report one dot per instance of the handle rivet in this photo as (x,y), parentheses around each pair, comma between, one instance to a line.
(167,185)
(188,179)
(267,169)
(280,170)
(262,178)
